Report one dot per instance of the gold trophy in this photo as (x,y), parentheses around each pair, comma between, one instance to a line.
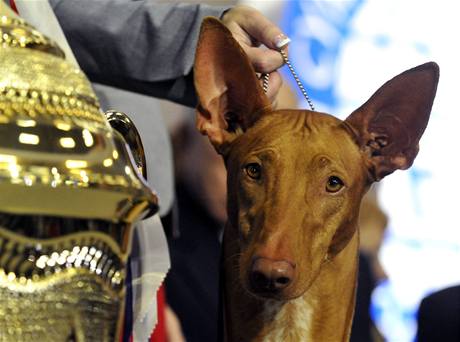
(70,192)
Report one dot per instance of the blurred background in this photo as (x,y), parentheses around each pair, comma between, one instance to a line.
(343,51)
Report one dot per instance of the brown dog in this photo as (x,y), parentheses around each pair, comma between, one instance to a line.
(295,183)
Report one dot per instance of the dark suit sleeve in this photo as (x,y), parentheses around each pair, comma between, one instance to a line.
(141,45)
(439,316)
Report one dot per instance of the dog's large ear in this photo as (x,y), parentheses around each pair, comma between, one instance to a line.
(230,97)
(389,125)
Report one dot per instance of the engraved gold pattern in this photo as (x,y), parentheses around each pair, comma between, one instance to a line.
(27,90)
(67,286)
(15,32)
(71,305)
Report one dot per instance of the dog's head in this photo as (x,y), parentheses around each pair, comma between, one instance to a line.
(296,177)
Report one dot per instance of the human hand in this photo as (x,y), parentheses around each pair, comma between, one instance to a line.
(173,326)
(251,29)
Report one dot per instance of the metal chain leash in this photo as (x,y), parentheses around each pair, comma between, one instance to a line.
(265,78)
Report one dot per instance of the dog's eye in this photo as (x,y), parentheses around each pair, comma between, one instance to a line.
(334,184)
(253,170)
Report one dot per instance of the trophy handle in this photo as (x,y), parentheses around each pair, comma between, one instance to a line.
(125,126)
(121,123)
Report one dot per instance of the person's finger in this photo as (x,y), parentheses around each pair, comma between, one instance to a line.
(264,60)
(250,28)
(262,29)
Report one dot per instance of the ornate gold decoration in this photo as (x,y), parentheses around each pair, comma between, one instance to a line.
(70,194)
(15,32)
(56,289)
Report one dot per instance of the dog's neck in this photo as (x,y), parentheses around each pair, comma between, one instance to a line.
(323,313)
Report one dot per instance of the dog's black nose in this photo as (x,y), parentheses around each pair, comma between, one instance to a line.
(270,275)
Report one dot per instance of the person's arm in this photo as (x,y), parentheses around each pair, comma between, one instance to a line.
(149,48)
(142,46)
